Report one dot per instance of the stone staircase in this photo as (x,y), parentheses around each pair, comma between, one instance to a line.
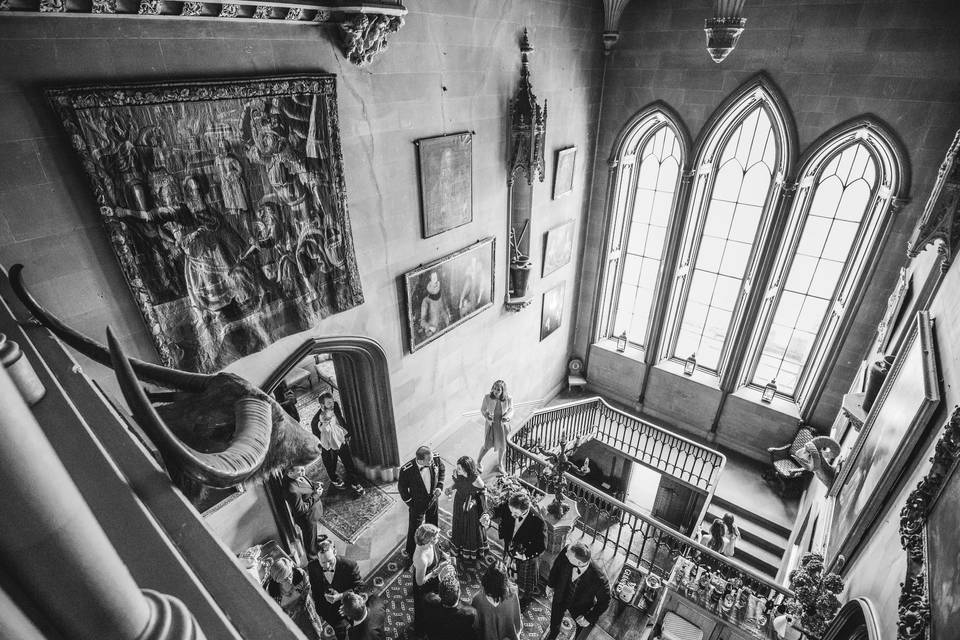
(763,543)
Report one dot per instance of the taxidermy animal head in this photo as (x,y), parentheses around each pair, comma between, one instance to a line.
(213,430)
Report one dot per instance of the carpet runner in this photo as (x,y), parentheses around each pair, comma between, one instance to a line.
(394,584)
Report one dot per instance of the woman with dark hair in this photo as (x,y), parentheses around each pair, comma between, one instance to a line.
(468,538)
(498,607)
(716,539)
(497,410)
(290,587)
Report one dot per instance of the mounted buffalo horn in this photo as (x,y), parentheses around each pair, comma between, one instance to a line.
(245,454)
(218,429)
(157,374)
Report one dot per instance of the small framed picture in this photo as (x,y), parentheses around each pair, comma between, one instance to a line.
(446,181)
(563,176)
(552,313)
(557,248)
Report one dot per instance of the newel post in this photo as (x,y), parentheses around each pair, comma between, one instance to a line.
(57,554)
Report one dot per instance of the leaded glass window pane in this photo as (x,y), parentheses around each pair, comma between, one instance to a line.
(839,203)
(659,167)
(743,178)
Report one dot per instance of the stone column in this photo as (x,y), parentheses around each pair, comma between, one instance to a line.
(55,551)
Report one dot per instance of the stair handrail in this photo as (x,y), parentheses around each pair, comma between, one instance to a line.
(600,406)
(676,536)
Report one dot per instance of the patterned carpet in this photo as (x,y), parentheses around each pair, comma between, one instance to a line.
(395,585)
(345,515)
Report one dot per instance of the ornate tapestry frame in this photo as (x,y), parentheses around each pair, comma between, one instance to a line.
(915,606)
(69,102)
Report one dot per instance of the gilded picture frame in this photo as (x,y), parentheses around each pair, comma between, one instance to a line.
(445,293)
(446,182)
(894,426)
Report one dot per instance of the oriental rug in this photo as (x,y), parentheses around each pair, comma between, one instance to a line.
(344,514)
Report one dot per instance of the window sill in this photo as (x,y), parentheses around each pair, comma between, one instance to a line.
(779,404)
(699,376)
(632,353)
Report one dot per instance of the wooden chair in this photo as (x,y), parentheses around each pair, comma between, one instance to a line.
(791,464)
(576,378)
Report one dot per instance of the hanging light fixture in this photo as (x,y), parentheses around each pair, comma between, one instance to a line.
(769,392)
(724,28)
(690,365)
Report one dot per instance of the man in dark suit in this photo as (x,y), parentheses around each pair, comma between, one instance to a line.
(330,577)
(524,536)
(580,587)
(445,618)
(420,485)
(367,616)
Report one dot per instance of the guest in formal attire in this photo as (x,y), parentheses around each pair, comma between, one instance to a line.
(427,562)
(731,535)
(468,537)
(367,616)
(334,433)
(445,617)
(290,587)
(287,399)
(497,410)
(331,576)
(420,485)
(580,587)
(524,536)
(303,494)
(498,607)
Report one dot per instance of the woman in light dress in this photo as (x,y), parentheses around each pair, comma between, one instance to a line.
(731,535)
(497,410)
(290,587)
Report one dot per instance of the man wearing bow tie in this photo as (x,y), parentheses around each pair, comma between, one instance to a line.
(524,536)
(580,587)
(420,485)
(330,576)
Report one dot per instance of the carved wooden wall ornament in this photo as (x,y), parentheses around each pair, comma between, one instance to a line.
(364,25)
(915,606)
(941,216)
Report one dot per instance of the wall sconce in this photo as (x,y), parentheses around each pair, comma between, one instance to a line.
(690,365)
(769,392)
(622,342)
(724,28)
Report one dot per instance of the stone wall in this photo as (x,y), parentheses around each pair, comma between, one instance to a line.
(452,67)
(833,61)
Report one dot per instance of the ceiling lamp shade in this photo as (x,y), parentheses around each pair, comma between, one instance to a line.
(724,28)
(612,10)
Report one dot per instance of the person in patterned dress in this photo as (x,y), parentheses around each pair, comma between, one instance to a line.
(468,538)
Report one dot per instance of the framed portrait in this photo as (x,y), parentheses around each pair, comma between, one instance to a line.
(551,314)
(563,175)
(446,181)
(558,247)
(894,426)
(444,294)
(928,533)
(225,203)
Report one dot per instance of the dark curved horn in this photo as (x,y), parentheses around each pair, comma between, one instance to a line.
(155,373)
(239,461)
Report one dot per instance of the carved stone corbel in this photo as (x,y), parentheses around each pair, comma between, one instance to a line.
(612,10)
(941,216)
(364,36)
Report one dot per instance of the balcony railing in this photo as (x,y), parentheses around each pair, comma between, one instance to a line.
(618,532)
(638,439)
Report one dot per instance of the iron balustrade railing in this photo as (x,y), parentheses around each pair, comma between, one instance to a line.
(683,459)
(730,589)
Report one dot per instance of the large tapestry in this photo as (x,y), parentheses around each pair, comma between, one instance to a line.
(225,204)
